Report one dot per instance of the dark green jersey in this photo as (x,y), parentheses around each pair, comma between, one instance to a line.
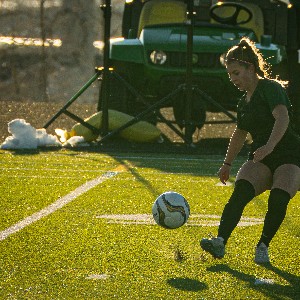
(256,117)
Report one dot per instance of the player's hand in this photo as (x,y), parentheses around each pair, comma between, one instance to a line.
(223,173)
(261,153)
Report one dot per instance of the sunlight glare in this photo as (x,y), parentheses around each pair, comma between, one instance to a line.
(25,41)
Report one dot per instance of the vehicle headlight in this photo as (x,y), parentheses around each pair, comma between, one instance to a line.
(158,57)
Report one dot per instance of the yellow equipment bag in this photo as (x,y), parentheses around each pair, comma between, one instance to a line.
(139,132)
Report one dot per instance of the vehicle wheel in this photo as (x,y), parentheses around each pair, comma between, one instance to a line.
(198,111)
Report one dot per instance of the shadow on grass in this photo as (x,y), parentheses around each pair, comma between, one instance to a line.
(217,146)
(138,176)
(204,146)
(187,284)
(276,291)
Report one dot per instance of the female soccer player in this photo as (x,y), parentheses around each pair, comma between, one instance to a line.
(274,160)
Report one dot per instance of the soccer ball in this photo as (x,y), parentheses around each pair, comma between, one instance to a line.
(170,210)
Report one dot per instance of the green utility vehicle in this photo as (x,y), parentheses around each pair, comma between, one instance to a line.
(151,61)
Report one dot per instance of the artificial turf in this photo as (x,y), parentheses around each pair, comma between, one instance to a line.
(87,250)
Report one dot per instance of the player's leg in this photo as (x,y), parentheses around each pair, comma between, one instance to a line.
(286,182)
(252,179)
(287,178)
(258,174)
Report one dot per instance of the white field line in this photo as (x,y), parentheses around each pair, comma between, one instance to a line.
(56,205)
(194,220)
(166,158)
(177,158)
(121,179)
(128,157)
(39,177)
(69,172)
(141,173)
(54,170)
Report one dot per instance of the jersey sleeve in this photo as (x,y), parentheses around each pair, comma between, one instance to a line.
(275,94)
(239,115)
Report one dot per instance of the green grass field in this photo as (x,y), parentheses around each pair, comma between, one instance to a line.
(78,225)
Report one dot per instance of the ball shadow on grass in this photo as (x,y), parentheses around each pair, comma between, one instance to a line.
(187,284)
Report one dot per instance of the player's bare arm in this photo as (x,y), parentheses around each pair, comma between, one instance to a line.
(235,145)
(281,116)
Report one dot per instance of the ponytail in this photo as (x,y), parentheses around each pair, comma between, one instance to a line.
(247,54)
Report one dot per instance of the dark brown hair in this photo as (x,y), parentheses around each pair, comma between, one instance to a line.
(247,54)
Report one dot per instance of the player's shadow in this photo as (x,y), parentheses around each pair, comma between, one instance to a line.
(187,284)
(277,291)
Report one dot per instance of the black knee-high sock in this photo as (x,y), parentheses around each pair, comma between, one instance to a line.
(277,206)
(243,193)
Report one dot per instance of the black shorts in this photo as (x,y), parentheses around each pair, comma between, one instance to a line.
(273,161)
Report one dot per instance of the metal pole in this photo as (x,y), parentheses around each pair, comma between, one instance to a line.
(139,117)
(73,98)
(189,72)
(103,97)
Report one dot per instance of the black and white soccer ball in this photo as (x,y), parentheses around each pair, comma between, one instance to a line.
(170,210)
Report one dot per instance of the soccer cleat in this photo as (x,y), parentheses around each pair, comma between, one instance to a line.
(261,254)
(214,246)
